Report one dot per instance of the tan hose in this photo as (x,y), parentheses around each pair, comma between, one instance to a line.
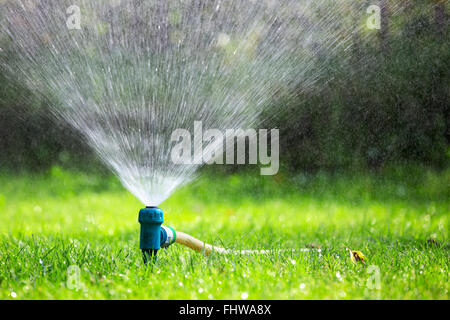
(197,245)
(207,249)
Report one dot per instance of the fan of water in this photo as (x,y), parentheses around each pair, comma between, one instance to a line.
(127,73)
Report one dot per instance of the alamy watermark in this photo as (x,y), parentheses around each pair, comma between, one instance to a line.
(374,280)
(73,21)
(211,146)
(374,20)
(73,278)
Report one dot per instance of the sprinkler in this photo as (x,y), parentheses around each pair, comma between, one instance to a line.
(153,235)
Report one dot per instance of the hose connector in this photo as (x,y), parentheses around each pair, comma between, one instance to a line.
(168,236)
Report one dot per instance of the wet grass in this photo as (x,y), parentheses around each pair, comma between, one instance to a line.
(398,218)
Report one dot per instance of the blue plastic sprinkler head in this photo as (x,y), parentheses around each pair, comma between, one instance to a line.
(153,235)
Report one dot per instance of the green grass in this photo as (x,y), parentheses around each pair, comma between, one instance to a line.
(398,218)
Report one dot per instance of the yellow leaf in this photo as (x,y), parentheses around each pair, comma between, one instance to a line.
(357,256)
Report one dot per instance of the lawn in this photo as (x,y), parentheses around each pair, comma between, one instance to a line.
(397,217)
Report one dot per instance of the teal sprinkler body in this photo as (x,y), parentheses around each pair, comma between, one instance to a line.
(153,235)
